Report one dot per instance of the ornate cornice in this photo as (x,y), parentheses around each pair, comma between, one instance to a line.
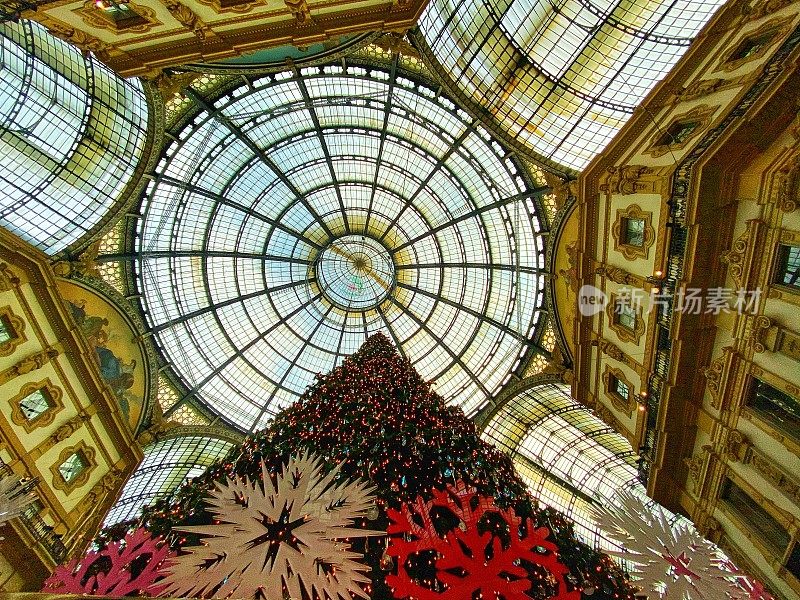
(626,180)
(740,256)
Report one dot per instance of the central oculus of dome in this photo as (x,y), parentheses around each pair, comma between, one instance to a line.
(355,272)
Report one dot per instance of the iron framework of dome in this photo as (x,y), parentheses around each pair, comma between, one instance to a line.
(300,212)
(559,77)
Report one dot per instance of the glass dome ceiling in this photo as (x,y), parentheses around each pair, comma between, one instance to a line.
(303,211)
(560,77)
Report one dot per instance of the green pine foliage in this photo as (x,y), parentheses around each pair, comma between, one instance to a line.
(377,416)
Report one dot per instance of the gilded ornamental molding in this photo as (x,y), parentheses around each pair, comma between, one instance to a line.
(619,275)
(624,405)
(626,180)
(15,330)
(87,455)
(634,211)
(740,449)
(30,363)
(143,20)
(740,256)
(623,333)
(701,115)
(55,404)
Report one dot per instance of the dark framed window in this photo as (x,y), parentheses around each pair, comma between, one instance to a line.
(793,564)
(122,15)
(755,517)
(35,404)
(620,388)
(776,407)
(750,46)
(73,466)
(677,133)
(788,267)
(7,331)
(625,315)
(633,232)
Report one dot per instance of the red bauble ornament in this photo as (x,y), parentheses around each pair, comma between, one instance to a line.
(466,562)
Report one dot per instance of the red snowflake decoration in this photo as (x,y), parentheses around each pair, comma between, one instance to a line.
(463,562)
(747,588)
(131,565)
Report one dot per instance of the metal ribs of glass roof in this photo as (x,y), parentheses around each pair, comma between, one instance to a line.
(265,178)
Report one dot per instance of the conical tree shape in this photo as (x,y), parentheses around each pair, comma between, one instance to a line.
(378,417)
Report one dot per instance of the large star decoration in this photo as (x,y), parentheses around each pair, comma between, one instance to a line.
(131,566)
(747,587)
(668,562)
(278,539)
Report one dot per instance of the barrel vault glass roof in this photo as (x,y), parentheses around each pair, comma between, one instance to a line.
(303,211)
(560,77)
(71,135)
(166,465)
(568,457)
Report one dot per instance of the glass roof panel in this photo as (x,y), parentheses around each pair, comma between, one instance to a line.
(72,135)
(166,465)
(560,76)
(259,270)
(568,457)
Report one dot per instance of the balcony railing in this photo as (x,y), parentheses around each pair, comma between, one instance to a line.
(38,529)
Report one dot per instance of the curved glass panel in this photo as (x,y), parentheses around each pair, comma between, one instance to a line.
(71,135)
(166,465)
(560,76)
(300,214)
(569,458)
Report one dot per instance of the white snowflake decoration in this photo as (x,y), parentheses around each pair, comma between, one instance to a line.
(669,562)
(13,499)
(278,538)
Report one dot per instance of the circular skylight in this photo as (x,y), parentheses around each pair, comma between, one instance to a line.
(302,212)
(354,273)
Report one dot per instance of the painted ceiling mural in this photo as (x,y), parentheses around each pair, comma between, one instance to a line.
(118,354)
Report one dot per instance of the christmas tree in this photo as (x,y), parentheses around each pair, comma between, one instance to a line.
(373,421)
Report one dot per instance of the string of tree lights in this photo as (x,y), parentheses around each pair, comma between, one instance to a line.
(377,418)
